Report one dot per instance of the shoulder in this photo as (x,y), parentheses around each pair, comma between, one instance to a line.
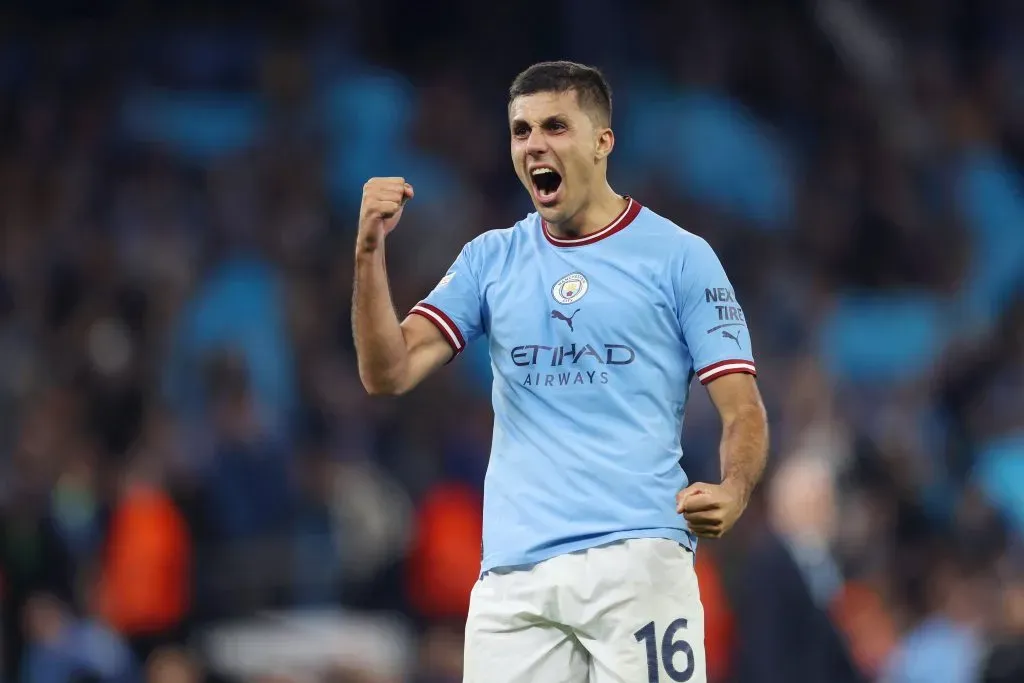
(491,241)
(671,239)
(498,243)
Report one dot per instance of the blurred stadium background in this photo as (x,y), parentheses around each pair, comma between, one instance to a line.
(195,486)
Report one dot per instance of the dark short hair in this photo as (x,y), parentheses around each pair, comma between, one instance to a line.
(591,87)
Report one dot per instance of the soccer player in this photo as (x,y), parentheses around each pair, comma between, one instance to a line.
(598,313)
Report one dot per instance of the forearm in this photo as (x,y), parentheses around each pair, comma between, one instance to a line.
(744,449)
(380,345)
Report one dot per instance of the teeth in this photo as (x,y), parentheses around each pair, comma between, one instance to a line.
(539,171)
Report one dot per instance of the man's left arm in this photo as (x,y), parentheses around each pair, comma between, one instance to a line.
(711,510)
(715,331)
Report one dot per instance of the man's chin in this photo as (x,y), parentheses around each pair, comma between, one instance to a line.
(551,213)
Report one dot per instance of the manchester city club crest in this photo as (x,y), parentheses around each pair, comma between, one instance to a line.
(570,288)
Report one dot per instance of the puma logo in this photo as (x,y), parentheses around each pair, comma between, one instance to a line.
(734,337)
(558,315)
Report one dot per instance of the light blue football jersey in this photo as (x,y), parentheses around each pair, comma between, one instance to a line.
(594,342)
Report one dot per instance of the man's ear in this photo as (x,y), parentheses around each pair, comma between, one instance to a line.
(605,143)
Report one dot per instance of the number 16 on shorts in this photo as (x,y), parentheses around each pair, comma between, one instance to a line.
(667,651)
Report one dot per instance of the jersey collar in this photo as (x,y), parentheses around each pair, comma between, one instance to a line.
(625,218)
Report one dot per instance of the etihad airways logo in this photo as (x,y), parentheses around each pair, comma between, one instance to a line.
(570,364)
(555,356)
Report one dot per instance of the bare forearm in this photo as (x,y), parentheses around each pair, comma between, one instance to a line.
(380,344)
(744,449)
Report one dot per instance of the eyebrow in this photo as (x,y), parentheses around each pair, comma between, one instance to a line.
(554,118)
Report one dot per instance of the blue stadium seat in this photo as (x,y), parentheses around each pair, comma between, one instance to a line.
(1000,474)
(878,338)
(199,126)
(991,196)
(714,150)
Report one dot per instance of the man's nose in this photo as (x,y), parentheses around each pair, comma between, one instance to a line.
(537,142)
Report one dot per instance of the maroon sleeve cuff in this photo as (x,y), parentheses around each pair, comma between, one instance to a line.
(445,325)
(725,367)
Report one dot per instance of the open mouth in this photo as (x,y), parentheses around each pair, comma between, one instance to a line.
(546,183)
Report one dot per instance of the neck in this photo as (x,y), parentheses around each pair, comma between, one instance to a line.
(604,207)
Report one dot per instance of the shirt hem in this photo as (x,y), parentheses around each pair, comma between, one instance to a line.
(525,560)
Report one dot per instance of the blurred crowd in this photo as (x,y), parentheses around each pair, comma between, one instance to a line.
(191,469)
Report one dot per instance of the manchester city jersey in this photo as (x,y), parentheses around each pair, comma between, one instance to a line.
(594,342)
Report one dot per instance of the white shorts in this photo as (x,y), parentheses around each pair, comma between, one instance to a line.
(628,612)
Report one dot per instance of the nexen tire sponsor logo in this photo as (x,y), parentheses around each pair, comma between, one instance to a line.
(723,296)
(573,358)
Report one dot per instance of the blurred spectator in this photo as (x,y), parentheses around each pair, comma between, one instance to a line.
(172,665)
(247,498)
(440,656)
(319,539)
(719,623)
(75,503)
(947,644)
(34,556)
(444,561)
(862,616)
(144,588)
(238,307)
(62,647)
(792,571)
(1005,661)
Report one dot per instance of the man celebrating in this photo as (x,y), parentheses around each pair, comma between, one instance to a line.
(598,313)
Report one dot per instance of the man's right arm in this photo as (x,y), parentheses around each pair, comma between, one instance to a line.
(393,357)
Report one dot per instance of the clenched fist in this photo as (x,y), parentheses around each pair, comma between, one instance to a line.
(710,509)
(381,209)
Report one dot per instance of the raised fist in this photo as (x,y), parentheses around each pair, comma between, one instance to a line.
(381,209)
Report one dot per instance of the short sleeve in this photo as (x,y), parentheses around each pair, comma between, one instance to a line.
(712,321)
(454,304)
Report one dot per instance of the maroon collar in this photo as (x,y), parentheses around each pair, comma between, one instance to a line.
(621,221)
